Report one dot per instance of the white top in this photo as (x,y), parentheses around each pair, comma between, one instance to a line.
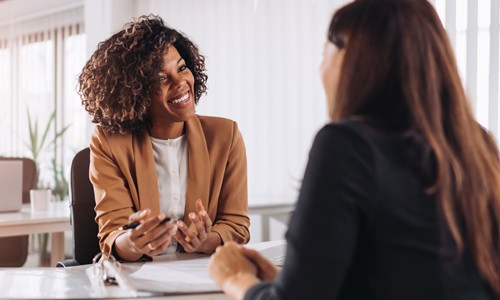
(171,166)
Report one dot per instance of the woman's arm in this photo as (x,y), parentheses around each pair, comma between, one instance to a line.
(114,191)
(232,219)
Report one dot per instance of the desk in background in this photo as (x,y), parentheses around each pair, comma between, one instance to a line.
(55,221)
(278,211)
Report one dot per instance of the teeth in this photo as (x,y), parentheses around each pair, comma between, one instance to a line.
(181,99)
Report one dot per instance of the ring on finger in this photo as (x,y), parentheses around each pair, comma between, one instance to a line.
(150,247)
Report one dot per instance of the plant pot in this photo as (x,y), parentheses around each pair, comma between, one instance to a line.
(40,199)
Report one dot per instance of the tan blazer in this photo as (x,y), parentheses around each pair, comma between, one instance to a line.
(123,173)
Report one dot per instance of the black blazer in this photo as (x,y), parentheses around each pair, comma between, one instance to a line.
(364,229)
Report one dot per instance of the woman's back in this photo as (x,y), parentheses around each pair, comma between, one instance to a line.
(408,252)
(376,234)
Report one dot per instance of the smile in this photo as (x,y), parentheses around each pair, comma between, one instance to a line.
(180,100)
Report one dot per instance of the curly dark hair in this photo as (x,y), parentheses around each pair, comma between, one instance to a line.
(117,83)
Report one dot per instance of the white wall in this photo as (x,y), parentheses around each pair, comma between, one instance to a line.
(103,18)
(13,11)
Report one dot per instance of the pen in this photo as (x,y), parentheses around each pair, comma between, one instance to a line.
(137,223)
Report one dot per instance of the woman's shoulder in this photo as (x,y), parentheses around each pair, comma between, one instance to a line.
(211,121)
(101,132)
(344,140)
(217,125)
(100,136)
(348,132)
(356,131)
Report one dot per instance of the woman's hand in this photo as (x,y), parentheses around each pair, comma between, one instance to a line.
(232,271)
(198,236)
(150,237)
(266,270)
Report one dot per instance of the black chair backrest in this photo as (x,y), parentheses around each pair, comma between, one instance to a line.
(85,241)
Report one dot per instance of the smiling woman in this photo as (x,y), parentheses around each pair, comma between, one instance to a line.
(152,157)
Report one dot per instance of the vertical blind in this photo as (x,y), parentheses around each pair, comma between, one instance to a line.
(473,28)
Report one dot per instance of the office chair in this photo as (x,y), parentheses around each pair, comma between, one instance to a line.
(14,250)
(85,242)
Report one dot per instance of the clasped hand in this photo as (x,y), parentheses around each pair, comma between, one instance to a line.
(152,237)
(193,237)
(235,269)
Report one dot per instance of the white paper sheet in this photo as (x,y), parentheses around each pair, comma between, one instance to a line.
(175,276)
(189,273)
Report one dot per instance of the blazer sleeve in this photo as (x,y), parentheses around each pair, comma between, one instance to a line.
(113,199)
(232,221)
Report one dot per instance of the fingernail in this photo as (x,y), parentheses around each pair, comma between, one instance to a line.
(192,215)
(187,239)
(203,213)
(161,217)
(173,230)
(143,213)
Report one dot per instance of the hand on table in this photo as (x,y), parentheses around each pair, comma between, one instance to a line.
(266,270)
(232,271)
(150,237)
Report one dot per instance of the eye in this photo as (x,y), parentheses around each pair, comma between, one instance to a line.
(182,68)
(162,78)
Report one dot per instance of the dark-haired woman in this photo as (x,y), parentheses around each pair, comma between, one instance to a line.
(401,195)
(152,157)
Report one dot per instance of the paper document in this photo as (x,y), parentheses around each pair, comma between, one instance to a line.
(188,273)
(175,276)
(272,250)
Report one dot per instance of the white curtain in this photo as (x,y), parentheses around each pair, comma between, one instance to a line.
(473,28)
(36,69)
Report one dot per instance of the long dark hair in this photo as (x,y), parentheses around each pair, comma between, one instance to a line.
(399,69)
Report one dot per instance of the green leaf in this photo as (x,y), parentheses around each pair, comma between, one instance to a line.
(38,144)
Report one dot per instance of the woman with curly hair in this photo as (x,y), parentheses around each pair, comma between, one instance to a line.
(152,157)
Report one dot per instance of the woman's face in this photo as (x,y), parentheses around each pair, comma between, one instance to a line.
(330,70)
(174,100)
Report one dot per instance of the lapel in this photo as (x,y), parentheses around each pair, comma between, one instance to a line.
(146,177)
(198,178)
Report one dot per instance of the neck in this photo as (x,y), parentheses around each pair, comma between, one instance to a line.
(167,131)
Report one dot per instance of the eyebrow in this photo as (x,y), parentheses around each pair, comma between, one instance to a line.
(178,61)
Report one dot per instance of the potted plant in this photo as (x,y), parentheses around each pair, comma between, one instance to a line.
(38,143)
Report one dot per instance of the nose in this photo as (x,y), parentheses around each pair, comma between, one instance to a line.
(177,78)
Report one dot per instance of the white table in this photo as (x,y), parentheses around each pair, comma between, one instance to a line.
(75,283)
(55,221)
